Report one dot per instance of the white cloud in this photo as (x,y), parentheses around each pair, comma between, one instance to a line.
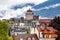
(48,7)
(40,17)
(13,13)
(6,4)
(12,2)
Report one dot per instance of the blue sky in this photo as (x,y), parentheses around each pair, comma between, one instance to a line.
(17,8)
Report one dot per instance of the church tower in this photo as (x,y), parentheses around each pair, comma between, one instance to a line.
(29,15)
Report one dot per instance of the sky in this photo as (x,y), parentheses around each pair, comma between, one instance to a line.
(18,8)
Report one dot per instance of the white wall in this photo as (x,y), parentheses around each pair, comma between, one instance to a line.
(32,31)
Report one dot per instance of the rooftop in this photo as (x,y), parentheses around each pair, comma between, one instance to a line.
(45,20)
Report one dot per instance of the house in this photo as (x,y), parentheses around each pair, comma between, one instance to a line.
(47,33)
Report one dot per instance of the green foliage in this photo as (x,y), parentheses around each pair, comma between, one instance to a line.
(3,38)
(3,30)
(55,23)
(10,38)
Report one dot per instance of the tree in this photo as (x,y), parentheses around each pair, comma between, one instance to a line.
(10,38)
(55,23)
(3,30)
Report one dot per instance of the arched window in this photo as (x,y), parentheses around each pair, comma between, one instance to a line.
(29,38)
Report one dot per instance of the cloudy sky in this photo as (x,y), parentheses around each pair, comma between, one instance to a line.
(17,8)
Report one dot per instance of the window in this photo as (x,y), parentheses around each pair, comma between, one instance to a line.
(18,29)
(44,36)
(16,24)
(29,38)
(50,36)
(21,38)
(12,30)
(15,34)
(33,38)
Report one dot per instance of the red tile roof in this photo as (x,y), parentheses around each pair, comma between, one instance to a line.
(46,30)
(44,20)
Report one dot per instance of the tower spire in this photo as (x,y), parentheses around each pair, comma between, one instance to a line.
(29,10)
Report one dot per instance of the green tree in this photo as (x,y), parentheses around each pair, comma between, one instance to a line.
(3,30)
(55,23)
(10,38)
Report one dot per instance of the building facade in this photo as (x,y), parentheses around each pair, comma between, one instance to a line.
(25,37)
(46,32)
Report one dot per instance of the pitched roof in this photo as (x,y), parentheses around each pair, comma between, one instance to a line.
(46,30)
